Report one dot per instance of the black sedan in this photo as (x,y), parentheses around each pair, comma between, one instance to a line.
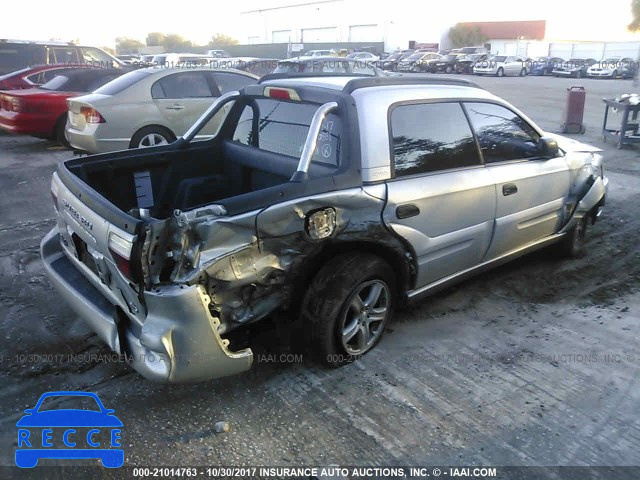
(446,64)
(574,68)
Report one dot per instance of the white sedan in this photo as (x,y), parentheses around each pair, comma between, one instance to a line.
(147,107)
(502,65)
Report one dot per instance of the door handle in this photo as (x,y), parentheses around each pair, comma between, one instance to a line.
(509,189)
(175,107)
(407,210)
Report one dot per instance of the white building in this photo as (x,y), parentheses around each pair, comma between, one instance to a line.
(569,25)
(328,21)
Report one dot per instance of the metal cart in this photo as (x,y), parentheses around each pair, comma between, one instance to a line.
(627,131)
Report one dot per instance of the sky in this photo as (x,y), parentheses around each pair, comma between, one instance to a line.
(99,24)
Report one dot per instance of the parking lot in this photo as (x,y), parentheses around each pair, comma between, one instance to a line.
(535,363)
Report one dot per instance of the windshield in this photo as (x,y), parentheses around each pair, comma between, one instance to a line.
(449,57)
(415,56)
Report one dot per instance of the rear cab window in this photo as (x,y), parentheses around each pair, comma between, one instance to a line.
(282,127)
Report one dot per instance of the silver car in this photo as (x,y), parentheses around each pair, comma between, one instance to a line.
(329,199)
(501,65)
(148,107)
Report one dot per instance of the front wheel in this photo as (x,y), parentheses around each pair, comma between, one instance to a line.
(573,244)
(347,307)
(448,69)
(523,72)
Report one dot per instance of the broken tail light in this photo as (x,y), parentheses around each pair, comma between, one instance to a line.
(91,115)
(120,250)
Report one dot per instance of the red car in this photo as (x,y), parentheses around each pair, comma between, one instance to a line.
(42,112)
(35,76)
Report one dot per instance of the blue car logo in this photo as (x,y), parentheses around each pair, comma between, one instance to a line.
(69,433)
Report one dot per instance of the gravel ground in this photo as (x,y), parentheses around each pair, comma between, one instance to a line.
(535,363)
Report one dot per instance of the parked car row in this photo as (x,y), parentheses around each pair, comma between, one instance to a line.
(509,65)
(96,110)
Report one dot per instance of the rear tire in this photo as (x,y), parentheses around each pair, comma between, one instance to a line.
(59,135)
(151,137)
(347,307)
(523,72)
(500,72)
(573,245)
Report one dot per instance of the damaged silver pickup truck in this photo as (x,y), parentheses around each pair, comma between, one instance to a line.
(330,200)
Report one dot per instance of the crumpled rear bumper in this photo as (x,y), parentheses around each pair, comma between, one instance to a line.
(178,341)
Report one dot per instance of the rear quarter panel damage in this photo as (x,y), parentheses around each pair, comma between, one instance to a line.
(253,265)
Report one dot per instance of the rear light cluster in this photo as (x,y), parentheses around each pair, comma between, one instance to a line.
(12,104)
(120,250)
(91,115)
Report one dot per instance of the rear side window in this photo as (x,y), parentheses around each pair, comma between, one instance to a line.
(430,137)
(282,127)
(503,135)
(63,55)
(182,85)
(123,82)
(96,56)
(228,82)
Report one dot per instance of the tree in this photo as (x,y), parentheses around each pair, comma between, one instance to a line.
(634,26)
(128,45)
(175,43)
(155,39)
(461,35)
(222,40)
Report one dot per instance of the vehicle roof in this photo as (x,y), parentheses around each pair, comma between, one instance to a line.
(328,58)
(193,68)
(436,87)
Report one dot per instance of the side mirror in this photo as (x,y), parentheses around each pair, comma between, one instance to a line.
(548,147)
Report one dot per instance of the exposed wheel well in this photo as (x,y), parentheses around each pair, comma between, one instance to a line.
(399,265)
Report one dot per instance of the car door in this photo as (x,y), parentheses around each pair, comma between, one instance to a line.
(530,190)
(441,199)
(182,97)
(510,66)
